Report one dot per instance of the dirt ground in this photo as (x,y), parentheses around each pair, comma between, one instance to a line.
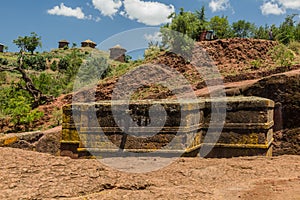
(32,175)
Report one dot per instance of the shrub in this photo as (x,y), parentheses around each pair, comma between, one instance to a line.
(295,46)
(282,55)
(3,77)
(63,63)
(53,66)
(94,69)
(49,84)
(152,51)
(17,105)
(3,61)
(256,64)
(35,62)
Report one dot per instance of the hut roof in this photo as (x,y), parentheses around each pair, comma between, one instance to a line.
(88,41)
(117,47)
(64,41)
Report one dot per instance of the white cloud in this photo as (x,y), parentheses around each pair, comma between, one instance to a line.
(219,5)
(149,13)
(271,8)
(290,4)
(63,10)
(107,7)
(279,7)
(97,19)
(155,37)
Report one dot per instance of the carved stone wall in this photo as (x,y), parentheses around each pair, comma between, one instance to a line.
(170,126)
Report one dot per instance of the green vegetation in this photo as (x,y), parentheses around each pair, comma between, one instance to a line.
(256,64)
(243,29)
(282,55)
(193,23)
(29,79)
(28,43)
(221,27)
(186,27)
(16,104)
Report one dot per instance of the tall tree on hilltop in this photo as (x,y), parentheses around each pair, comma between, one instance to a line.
(28,43)
(288,30)
(220,26)
(243,29)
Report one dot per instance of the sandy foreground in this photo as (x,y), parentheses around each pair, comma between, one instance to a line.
(31,175)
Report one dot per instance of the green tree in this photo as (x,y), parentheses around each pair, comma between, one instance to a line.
(180,34)
(17,105)
(200,14)
(243,29)
(28,43)
(187,23)
(287,30)
(74,45)
(221,27)
(262,32)
(26,82)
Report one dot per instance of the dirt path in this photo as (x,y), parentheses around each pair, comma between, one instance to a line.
(239,84)
(31,175)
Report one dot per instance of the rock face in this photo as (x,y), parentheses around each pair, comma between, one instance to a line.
(284,90)
(45,142)
(287,142)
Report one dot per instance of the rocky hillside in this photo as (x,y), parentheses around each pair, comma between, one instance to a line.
(236,59)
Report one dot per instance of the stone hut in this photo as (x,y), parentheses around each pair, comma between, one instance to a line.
(63,43)
(117,53)
(88,43)
(1,48)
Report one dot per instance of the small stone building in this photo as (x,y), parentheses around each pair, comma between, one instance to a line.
(63,43)
(88,43)
(117,53)
(1,48)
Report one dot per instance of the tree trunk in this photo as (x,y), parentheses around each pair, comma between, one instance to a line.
(38,96)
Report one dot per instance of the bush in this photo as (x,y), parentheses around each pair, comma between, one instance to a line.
(63,63)
(295,46)
(3,77)
(282,55)
(94,69)
(53,66)
(35,62)
(256,64)
(152,51)
(3,61)
(17,105)
(49,84)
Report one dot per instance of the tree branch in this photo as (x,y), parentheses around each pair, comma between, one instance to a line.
(39,97)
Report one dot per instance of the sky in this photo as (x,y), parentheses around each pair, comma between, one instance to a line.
(111,22)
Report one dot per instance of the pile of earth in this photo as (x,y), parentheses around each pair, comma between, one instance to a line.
(232,59)
(238,53)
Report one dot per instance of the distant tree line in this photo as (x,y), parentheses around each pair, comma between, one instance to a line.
(193,23)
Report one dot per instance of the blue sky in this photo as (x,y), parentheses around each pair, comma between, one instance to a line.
(77,20)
